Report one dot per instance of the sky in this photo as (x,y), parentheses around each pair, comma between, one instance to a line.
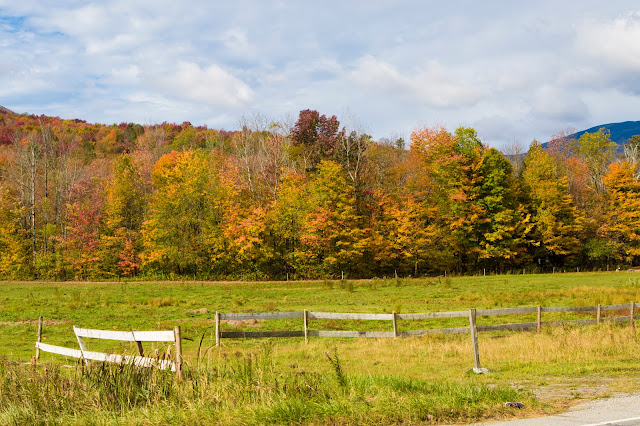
(512,70)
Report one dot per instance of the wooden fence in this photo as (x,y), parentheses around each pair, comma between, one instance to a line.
(395,318)
(124,336)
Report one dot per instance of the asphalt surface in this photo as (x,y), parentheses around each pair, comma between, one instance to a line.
(618,411)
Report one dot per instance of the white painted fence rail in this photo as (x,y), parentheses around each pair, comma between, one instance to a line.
(138,361)
(126,336)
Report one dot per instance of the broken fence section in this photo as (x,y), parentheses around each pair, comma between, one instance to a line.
(125,336)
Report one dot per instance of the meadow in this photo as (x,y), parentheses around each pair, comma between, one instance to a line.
(330,380)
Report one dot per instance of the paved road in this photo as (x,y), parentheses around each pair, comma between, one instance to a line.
(618,411)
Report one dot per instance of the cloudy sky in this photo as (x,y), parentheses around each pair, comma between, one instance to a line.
(513,70)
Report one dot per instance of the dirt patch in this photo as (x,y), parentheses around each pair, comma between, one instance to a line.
(199,311)
(243,323)
(569,394)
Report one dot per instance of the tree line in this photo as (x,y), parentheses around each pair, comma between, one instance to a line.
(308,199)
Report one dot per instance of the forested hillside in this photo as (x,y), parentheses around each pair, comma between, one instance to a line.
(307,200)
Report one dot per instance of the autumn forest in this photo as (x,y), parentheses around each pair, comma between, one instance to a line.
(306,199)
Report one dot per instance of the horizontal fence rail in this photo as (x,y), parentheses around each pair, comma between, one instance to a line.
(138,361)
(434,315)
(126,336)
(362,317)
(393,317)
(261,315)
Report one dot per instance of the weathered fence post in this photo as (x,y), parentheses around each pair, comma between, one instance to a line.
(138,343)
(305,317)
(178,337)
(39,338)
(632,312)
(217,328)
(539,320)
(474,343)
(395,324)
(599,314)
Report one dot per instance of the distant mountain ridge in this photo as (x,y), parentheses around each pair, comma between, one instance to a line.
(620,132)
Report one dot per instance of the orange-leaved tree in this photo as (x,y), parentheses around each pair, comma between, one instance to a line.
(621,230)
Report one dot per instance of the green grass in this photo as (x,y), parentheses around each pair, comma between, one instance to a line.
(423,379)
(243,389)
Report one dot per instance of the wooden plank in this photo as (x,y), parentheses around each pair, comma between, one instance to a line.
(347,316)
(348,333)
(614,307)
(256,334)
(616,319)
(138,361)
(454,330)
(506,311)
(261,315)
(153,336)
(100,356)
(81,343)
(125,336)
(60,350)
(572,322)
(434,315)
(571,308)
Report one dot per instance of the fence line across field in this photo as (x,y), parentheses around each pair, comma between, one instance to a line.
(472,314)
(395,317)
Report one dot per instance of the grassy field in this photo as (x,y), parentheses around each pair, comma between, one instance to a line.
(420,380)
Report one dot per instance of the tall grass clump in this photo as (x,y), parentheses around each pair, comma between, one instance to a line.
(121,387)
(47,394)
(240,388)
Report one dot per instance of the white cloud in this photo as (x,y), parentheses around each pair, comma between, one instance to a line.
(516,70)
(434,85)
(212,86)
(128,74)
(615,42)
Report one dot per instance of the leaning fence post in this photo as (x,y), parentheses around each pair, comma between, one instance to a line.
(539,320)
(83,346)
(305,318)
(474,343)
(599,314)
(217,328)
(178,340)
(138,343)
(395,324)
(632,311)
(39,338)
